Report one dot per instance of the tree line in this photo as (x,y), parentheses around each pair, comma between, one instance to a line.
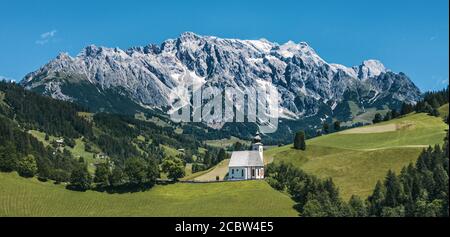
(429,104)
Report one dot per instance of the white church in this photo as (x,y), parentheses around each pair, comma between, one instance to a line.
(246,165)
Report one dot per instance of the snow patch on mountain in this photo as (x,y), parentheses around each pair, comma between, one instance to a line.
(157,76)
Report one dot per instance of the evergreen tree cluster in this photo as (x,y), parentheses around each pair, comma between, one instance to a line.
(33,111)
(211,157)
(419,190)
(21,152)
(130,144)
(313,197)
(429,104)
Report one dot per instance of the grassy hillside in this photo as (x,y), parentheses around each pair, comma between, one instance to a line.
(443,111)
(30,197)
(357,158)
(411,130)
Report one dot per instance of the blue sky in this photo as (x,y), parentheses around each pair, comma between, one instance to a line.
(408,36)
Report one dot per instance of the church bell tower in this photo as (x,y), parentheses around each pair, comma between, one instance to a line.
(257,145)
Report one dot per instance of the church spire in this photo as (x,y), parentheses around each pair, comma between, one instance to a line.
(257,138)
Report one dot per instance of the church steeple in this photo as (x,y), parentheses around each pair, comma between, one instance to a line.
(258,146)
(257,138)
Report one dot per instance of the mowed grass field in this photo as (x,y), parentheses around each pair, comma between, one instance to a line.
(30,197)
(358,157)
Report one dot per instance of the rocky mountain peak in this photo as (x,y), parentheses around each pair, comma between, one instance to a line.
(153,75)
(371,68)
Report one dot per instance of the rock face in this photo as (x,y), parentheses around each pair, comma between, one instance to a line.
(152,76)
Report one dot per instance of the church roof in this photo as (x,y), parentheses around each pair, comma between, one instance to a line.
(245,158)
(257,138)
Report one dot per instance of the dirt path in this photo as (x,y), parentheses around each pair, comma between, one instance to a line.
(371,129)
(220,170)
(390,147)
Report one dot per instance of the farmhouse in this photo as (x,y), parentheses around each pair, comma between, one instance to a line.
(247,164)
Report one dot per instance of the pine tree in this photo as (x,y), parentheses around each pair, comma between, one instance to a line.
(394,114)
(332,191)
(313,208)
(299,141)
(152,171)
(388,116)
(337,125)
(222,155)
(394,191)
(326,127)
(357,207)
(378,118)
(441,185)
(376,200)
(434,103)
(406,108)
(207,159)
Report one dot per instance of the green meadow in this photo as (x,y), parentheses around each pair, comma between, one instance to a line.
(30,197)
(357,158)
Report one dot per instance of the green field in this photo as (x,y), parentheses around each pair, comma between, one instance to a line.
(30,197)
(170,151)
(357,158)
(223,143)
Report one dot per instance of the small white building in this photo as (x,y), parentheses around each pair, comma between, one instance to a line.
(246,165)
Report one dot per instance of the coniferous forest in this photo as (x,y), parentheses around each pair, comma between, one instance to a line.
(128,162)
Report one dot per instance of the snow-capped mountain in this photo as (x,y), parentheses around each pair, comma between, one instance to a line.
(151,76)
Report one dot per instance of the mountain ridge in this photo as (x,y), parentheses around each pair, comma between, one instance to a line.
(151,76)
